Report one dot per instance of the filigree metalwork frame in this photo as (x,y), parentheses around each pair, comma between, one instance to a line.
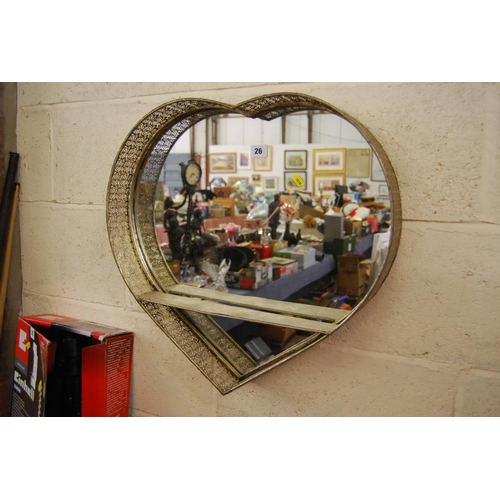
(130,220)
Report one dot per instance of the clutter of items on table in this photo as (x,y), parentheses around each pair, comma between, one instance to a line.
(242,237)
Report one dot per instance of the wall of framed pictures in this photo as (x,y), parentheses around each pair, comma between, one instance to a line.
(313,167)
(338,154)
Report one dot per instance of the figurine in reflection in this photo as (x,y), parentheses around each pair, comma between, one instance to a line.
(192,249)
(198,244)
(172,227)
(197,226)
(201,242)
(168,203)
(274,215)
(206,194)
(232,232)
(288,213)
(168,212)
(175,234)
(290,237)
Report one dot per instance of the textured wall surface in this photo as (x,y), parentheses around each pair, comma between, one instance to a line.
(427,345)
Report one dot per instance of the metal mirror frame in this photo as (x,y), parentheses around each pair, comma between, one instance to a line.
(131,230)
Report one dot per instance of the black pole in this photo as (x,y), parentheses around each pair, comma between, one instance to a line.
(7,200)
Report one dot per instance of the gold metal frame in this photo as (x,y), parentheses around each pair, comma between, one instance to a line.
(130,220)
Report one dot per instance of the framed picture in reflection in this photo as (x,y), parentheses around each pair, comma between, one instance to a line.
(358,162)
(264,164)
(383,189)
(244,161)
(329,160)
(324,185)
(231,181)
(270,183)
(295,160)
(222,163)
(377,172)
(295,180)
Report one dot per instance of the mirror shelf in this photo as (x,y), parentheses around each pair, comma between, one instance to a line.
(185,313)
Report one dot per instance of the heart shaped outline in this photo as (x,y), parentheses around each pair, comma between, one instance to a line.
(136,251)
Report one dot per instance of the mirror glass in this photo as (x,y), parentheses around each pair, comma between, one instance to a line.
(296,209)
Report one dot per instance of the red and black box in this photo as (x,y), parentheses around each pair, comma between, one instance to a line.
(68,367)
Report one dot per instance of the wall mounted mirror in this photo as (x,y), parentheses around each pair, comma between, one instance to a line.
(320,162)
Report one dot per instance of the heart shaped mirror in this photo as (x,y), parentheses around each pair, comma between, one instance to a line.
(294,235)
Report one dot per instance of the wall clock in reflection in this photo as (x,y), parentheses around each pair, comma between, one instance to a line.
(197,319)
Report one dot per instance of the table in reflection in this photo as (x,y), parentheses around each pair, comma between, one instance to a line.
(290,284)
(282,288)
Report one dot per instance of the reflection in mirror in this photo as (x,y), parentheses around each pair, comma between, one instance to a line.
(307,221)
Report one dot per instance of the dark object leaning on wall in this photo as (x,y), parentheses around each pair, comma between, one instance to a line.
(8,142)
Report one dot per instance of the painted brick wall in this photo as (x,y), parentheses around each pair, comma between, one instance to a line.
(427,345)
